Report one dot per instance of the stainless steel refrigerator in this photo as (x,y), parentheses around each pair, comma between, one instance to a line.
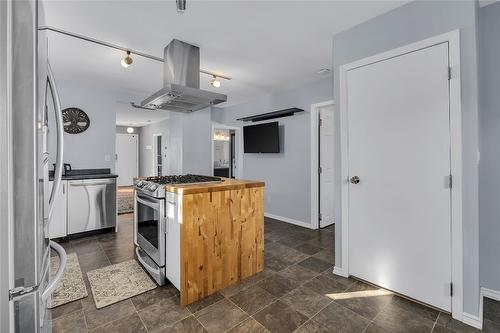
(28,94)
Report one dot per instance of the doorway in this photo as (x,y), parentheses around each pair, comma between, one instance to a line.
(401,134)
(127,158)
(227,148)
(158,161)
(322,165)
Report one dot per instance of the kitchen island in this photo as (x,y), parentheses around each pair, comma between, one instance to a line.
(214,235)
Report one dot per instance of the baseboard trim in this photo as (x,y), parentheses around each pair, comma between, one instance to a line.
(340,271)
(472,320)
(490,293)
(289,220)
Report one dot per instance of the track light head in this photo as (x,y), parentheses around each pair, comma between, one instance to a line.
(127,61)
(215,82)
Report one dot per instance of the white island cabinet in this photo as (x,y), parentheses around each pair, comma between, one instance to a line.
(58,226)
(173,239)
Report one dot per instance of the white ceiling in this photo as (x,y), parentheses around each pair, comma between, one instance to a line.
(265,46)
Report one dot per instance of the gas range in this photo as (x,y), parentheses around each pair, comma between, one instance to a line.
(153,186)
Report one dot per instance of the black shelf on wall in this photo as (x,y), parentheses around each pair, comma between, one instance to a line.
(272,115)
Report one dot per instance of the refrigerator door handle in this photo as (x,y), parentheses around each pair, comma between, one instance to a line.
(60,271)
(51,84)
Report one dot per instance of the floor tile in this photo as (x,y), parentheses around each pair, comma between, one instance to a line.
(336,318)
(441,329)
(186,325)
(279,317)
(308,249)
(293,256)
(237,287)
(277,285)
(298,273)
(70,323)
(395,319)
(203,303)
(249,326)
(162,314)
(491,310)
(154,296)
(276,249)
(415,308)
(130,324)
(326,255)
(221,316)
(315,264)
(364,304)
(312,327)
(99,317)
(276,263)
(65,309)
(490,326)
(90,261)
(252,299)
(306,301)
(328,287)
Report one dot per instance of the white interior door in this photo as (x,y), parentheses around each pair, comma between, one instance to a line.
(326,163)
(126,158)
(399,147)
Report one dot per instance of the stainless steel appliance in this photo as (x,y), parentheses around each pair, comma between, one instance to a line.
(181,82)
(91,204)
(27,86)
(150,219)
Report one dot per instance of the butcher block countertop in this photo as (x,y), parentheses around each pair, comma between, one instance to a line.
(227,184)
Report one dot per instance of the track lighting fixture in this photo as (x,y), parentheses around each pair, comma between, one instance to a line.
(127,61)
(215,82)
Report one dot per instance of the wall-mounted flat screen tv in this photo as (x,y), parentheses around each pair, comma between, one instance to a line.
(262,138)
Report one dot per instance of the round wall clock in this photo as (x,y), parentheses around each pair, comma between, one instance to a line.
(75,120)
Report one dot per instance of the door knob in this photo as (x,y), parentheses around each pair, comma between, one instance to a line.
(354,180)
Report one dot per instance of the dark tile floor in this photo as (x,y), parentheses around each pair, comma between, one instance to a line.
(297,292)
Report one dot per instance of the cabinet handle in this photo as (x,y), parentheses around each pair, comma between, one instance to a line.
(171,202)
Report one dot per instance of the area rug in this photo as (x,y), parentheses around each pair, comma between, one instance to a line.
(125,199)
(115,283)
(71,287)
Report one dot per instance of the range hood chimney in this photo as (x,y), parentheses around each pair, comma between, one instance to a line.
(181,82)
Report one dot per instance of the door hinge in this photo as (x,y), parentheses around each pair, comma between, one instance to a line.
(20,291)
(450,181)
(449,73)
(320,216)
(320,122)
(320,170)
(451,289)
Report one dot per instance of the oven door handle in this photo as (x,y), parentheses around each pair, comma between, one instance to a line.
(150,203)
(142,261)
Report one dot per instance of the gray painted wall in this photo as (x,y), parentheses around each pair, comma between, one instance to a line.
(410,23)
(186,144)
(288,174)
(489,181)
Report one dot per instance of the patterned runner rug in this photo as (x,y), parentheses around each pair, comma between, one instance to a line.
(71,287)
(115,283)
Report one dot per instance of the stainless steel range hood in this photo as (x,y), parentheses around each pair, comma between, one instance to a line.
(181,82)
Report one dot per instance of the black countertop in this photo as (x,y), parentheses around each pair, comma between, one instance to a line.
(85,174)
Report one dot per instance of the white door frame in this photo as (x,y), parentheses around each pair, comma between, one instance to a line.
(155,161)
(136,149)
(238,152)
(315,162)
(453,38)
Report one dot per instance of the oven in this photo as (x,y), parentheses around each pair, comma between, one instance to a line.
(149,231)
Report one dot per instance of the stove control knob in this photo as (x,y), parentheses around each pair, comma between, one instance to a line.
(153,187)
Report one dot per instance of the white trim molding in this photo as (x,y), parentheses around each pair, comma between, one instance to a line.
(314,161)
(472,320)
(489,293)
(289,220)
(453,40)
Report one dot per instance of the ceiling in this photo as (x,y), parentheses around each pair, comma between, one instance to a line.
(264,46)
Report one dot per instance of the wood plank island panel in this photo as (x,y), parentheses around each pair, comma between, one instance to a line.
(222,240)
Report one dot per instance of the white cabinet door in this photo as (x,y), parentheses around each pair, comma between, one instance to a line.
(173,239)
(57,224)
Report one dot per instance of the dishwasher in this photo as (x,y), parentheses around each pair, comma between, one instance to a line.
(91,204)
